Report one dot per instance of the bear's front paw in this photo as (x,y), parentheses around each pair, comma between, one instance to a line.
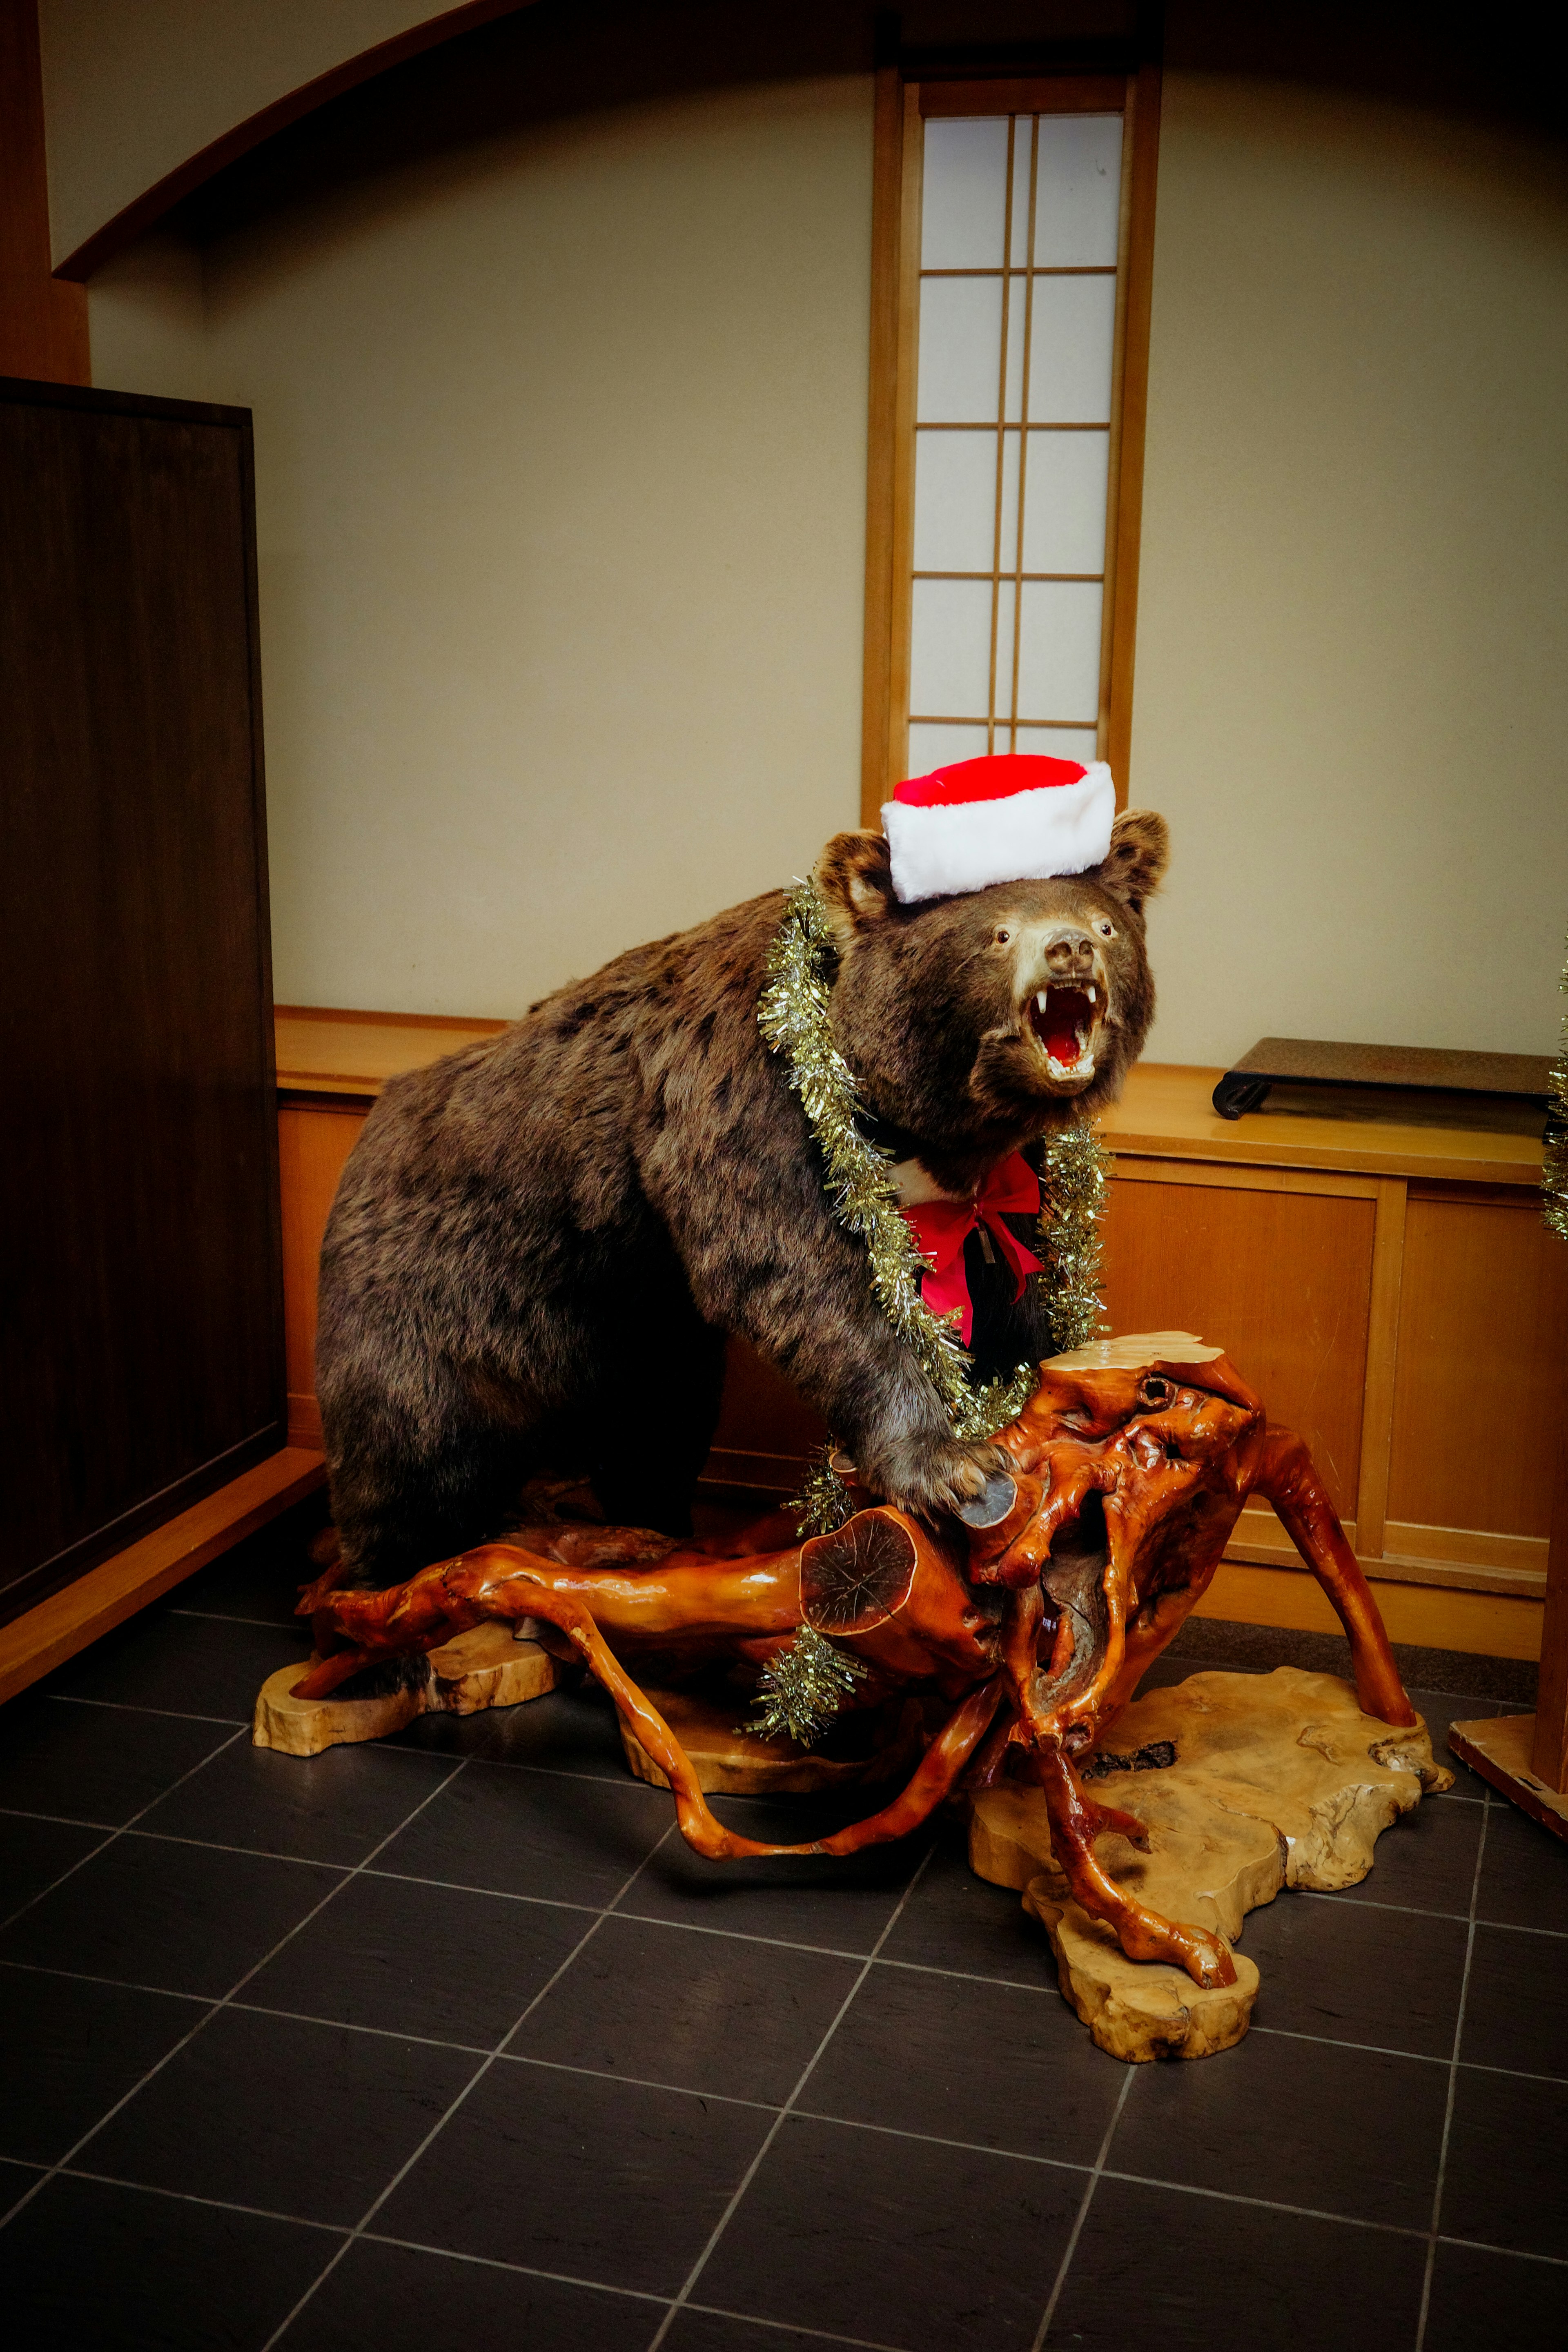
(930,1475)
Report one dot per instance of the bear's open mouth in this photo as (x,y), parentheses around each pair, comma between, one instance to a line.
(1065,1021)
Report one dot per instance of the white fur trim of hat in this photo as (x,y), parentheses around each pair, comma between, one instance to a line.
(1012,817)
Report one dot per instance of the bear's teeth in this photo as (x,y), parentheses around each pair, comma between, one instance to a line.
(1082,1036)
(1092,998)
(1043,1001)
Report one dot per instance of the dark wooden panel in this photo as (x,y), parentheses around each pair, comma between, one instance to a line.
(762,1411)
(139,1243)
(1282,1281)
(43,324)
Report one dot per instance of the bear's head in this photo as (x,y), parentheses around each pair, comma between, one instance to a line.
(975,1023)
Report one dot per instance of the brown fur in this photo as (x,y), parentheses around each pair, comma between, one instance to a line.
(540,1243)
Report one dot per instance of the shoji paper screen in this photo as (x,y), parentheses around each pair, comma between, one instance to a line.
(1019,233)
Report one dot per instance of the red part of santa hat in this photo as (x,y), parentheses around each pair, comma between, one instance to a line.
(1016,816)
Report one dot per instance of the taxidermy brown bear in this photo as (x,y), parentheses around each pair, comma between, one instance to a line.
(540,1244)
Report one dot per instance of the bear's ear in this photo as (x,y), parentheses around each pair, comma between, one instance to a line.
(1139,855)
(856,880)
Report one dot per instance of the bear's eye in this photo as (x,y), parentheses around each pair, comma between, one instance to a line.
(1003,937)
(1107,930)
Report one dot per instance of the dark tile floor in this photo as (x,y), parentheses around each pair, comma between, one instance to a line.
(451,2043)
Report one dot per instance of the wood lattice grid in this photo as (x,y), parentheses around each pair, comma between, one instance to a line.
(898,277)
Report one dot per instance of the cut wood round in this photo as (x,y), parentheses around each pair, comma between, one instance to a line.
(1139,2009)
(738,1764)
(1279,1781)
(482,1668)
(856,1577)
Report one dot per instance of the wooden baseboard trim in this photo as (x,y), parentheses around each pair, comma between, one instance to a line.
(1467,1550)
(304,1422)
(44,1637)
(1446,1558)
(766,1476)
(1488,1624)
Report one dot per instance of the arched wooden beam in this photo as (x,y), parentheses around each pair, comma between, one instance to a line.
(145,211)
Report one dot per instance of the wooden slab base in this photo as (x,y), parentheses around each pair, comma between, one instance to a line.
(1498,1748)
(738,1764)
(1280,1781)
(484,1667)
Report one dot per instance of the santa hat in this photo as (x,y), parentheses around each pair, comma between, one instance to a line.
(1016,816)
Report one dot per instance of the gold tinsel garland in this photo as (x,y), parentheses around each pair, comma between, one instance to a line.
(801,1689)
(795,1022)
(824,1501)
(1077,1177)
(1554,1161)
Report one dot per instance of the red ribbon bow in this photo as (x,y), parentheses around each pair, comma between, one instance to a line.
(940,1228)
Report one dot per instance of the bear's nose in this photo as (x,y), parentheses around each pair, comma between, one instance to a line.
(1070,955)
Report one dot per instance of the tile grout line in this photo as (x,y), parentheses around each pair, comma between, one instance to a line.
(797,2328)
(1011,2155)
(475,2079)
(115,1984)
(1264,2204)
(239,1986)
(783,2116)
(939,2140)
(220,1846)
(1510,2253)
(189,2197)
(61,1822)
(601,2286)
(82,1859)
(633,2081)
(1090,2185)
(495,2263)
(1368,1902)
(164,1714)
(1416,2057)
(726,2098)
(221,1617)
(269,1853)
(1136,2179)
(1431,2262)
(686,1927)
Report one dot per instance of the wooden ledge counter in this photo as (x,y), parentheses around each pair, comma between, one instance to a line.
(353,1054)
(1168,1113)
(1377,1268)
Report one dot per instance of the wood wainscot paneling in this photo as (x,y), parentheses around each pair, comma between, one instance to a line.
(1385,1282)
(314,1140)
(331,1067)
(1276,1266)
(1385,1287)
(1482,1390)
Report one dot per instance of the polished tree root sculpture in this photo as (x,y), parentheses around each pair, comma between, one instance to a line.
(1024,1629)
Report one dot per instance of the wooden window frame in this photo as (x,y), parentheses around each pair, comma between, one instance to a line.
(904,105)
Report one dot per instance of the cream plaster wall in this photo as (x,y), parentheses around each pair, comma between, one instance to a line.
(134,87)
(1352,695)
(560,499)
(147,320)
(560,474)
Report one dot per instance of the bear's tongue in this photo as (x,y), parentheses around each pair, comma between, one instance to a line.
(1059,1013)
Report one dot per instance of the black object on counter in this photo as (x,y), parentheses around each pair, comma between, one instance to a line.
(1313,1061)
